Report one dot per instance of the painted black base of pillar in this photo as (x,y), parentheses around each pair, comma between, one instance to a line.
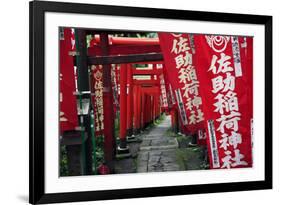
(145,126)
(136,131)
(130,132)
(123,149)
(193,140)
(132,138)
(123,153)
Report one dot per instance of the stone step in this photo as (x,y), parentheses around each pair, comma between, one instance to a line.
(159,144)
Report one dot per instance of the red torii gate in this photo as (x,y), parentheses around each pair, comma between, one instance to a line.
(131,122)
(151,103)
(139,99)
(105,50)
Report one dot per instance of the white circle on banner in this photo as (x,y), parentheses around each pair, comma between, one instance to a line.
(217,43)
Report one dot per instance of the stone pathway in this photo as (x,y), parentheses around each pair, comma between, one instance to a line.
(158,151)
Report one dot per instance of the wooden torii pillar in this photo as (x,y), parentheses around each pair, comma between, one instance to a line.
(146,110)
(109,139)
(119,51)
(130,104)
(143,100)
(122,147)
(174,119)
(149,102)
(137,109)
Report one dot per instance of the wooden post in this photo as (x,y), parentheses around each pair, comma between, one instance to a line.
(109,139)
(135,108)
(155,106)
(83,88)
(146,109)
(150,109)
(122,147)
(173,119)
(129,101)
(138,109)
(142,109)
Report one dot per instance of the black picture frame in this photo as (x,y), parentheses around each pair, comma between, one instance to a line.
(37,11)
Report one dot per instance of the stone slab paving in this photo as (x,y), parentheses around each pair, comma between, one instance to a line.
(158,151)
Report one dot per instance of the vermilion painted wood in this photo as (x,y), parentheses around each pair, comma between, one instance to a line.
(146,72)
(135,107)
(119,59)
(95,50)
(152,108)
(151,62)
(109,138)
(143,99)
(150,90)
(138,103)
(129,99)
(173,120)
(146,82)
(123,101)
(126,41)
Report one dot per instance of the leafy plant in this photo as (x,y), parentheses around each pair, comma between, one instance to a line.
(63,161)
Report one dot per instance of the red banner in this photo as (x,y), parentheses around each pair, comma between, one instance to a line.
(114,82)
(169,91)
(178,53)
(97,98)
(246,52)
(68,106)
(227,102)
(162,87)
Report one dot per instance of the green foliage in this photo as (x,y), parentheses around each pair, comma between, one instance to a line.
(63,162)
(171,133)
(190,158)
(160,119)
(137,35)
(99,150)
